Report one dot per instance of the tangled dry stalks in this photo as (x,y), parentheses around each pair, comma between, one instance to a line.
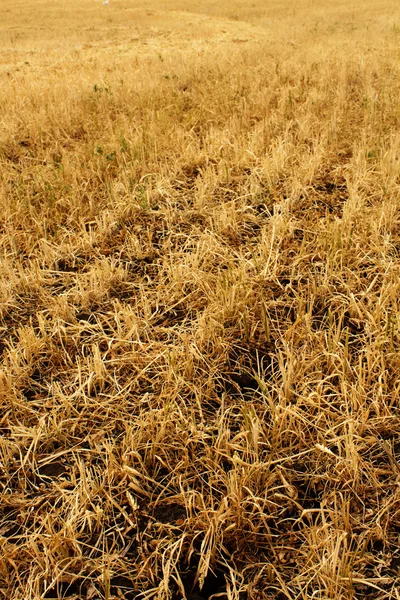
(199,301)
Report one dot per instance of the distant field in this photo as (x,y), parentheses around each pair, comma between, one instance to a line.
(199,300)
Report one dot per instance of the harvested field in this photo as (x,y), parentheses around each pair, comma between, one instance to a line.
(199,300)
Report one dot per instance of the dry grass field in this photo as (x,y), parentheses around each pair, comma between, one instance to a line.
(199,299)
